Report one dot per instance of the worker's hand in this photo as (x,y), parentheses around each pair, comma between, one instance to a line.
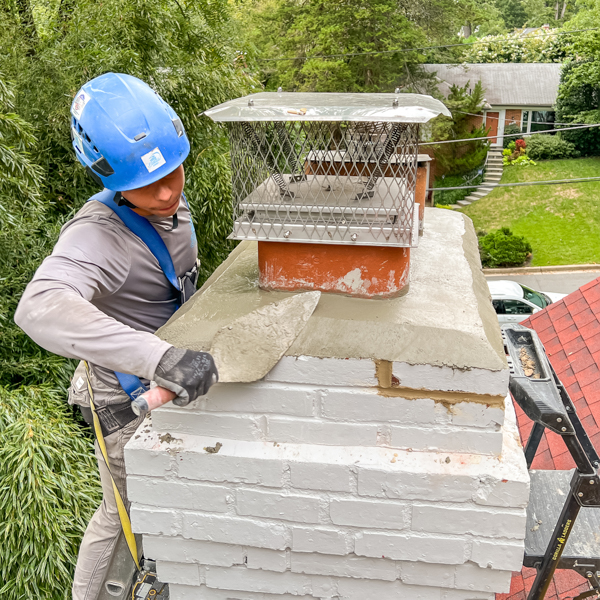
(187,373)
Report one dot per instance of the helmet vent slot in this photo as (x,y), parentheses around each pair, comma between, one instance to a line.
(140,136)
(102,166)
(178,127)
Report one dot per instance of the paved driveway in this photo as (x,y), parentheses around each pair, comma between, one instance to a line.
(561,283)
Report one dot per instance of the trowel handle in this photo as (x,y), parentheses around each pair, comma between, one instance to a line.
(155,397)
(152,399)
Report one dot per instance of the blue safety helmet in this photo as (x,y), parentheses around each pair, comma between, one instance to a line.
(124,133)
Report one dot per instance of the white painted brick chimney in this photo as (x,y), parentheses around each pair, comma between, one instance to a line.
(378,460)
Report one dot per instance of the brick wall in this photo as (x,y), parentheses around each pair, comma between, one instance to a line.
(327,522)
(345,478)
(513,115)
(340,416)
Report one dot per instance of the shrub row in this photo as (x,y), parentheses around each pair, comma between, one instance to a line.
(548,147)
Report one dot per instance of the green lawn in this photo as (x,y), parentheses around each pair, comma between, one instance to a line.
(562,222)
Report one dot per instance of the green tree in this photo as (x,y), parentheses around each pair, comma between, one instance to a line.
(23,243)
(579,91)
(336,28)
(330,42)
(20,177)
(460,158)
(513,13)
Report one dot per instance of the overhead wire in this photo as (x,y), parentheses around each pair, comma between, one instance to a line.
(462,112)
(519,135)
(521,184)
(377,52)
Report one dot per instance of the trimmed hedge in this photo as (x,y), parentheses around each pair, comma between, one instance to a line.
(503,249)
(550,147)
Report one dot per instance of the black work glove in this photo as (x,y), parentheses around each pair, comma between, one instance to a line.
(187,373)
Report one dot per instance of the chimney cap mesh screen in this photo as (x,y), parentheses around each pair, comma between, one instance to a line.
(333,182)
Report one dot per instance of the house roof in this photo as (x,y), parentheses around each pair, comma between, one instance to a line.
(570,332)
(505,84)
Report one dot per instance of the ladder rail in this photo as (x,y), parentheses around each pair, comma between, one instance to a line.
(535,437)
(585,483)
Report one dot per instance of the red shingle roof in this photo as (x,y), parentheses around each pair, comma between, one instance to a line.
(570,332)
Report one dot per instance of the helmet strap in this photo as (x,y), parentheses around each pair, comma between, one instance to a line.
(122,201)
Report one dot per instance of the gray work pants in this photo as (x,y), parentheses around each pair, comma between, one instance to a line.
(103,530)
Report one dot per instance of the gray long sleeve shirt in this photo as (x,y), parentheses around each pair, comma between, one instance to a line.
(101,294)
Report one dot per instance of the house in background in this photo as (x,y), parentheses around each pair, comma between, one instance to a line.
(523,94)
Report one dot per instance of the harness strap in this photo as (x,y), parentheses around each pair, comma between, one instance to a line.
(144,230)
(123,516)
(131,384)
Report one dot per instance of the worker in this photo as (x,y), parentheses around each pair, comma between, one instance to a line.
(104,290)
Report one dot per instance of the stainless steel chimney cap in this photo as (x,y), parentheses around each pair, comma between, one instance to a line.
(320,106)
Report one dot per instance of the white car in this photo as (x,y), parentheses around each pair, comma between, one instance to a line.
(514,302)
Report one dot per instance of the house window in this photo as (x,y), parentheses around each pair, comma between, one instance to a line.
(525,121)
(542,120)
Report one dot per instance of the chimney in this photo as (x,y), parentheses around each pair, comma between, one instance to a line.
(380,457)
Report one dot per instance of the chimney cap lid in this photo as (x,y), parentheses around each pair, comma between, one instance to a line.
(320,106)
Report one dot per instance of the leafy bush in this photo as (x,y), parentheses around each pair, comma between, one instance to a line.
(518,157)
(503,249)
(453,196)
(49,490)
(549,147)
(510,130)
(542,45)
(516,154)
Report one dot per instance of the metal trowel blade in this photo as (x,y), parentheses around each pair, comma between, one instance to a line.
(249,347)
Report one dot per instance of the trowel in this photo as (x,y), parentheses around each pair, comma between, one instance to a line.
(246,349)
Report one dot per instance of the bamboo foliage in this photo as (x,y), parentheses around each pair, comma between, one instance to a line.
(49,489)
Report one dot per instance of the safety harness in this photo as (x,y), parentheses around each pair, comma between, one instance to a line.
(108,419)
(183,287)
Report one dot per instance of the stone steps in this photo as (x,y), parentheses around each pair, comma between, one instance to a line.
(493,175)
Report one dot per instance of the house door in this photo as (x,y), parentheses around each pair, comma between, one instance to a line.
(491,122)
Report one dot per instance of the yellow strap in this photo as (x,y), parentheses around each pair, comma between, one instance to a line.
(123,516)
